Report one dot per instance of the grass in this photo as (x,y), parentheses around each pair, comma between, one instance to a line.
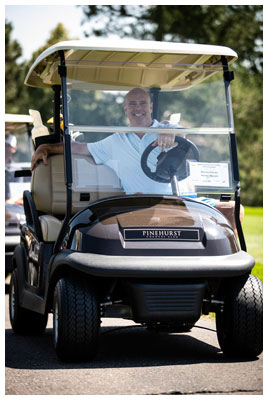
(253,231)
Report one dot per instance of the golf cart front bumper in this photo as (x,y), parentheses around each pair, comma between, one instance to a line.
(231,265)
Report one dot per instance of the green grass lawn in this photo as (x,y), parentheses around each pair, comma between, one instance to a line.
(253,231)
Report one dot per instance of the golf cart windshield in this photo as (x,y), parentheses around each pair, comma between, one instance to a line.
(98,117)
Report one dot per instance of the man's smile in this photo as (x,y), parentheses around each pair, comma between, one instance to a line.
(138,114)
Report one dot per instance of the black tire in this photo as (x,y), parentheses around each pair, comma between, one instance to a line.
(76,320)
(240,322)
(23,321)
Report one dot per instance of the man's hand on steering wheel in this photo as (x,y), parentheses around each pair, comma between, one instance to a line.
(165,141)
(172,162)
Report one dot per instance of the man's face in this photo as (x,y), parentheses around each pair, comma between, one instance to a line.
(138,108)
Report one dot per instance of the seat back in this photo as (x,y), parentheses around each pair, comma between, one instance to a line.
(49,191)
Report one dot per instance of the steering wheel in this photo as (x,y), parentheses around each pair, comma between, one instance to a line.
(171,162)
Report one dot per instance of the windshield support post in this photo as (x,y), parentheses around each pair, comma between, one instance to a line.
(237,219)
(62,70)
(237,192)
(56,111)
(29,137)
(155,95)
(175,185)
(228,76)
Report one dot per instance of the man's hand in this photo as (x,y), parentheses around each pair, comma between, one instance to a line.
(40,154)
(165,141)
(44,150)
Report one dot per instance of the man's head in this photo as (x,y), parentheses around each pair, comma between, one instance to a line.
(138,107)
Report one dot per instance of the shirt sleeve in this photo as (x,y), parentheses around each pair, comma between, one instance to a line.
(102,151)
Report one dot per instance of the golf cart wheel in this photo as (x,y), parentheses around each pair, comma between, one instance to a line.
(240,322)
(76,320)
(23,321)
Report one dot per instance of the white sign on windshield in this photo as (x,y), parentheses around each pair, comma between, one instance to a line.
(209,174)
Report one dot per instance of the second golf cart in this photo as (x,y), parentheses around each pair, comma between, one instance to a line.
(18,153)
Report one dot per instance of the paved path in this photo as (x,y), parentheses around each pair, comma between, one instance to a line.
(131,360)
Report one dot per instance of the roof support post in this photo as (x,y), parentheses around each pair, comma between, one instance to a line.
(67,154)
(228,76)
(155,95)
(56,110)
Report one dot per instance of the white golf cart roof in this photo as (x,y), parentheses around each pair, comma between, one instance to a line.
(14,123)
(124,64)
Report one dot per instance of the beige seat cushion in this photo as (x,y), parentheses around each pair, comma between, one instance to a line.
(49,190)
(50,227)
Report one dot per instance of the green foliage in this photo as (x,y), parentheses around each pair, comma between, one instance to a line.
(20,98)
(95,108)
(41,99)
(236,26)
(247,105)
(253,232)
(13,71)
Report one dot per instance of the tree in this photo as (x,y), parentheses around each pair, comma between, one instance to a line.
(20,98)
(13,71)
(220,25)
(41,99)
(58,34)
(248,117)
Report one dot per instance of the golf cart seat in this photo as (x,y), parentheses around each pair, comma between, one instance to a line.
(48,192)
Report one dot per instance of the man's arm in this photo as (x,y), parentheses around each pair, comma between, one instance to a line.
(45,150)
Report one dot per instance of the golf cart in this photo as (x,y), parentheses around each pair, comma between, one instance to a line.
(149,245)
(18,157)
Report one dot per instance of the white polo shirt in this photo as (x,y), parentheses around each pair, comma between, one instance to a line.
(122,152)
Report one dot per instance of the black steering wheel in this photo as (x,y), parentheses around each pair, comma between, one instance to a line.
(171,162)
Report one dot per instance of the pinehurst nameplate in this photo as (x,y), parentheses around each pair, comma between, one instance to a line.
(162,234)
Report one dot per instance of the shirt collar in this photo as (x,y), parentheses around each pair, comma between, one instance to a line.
(155,124)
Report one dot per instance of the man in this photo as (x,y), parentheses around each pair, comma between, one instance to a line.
(122,152)
(138,108)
